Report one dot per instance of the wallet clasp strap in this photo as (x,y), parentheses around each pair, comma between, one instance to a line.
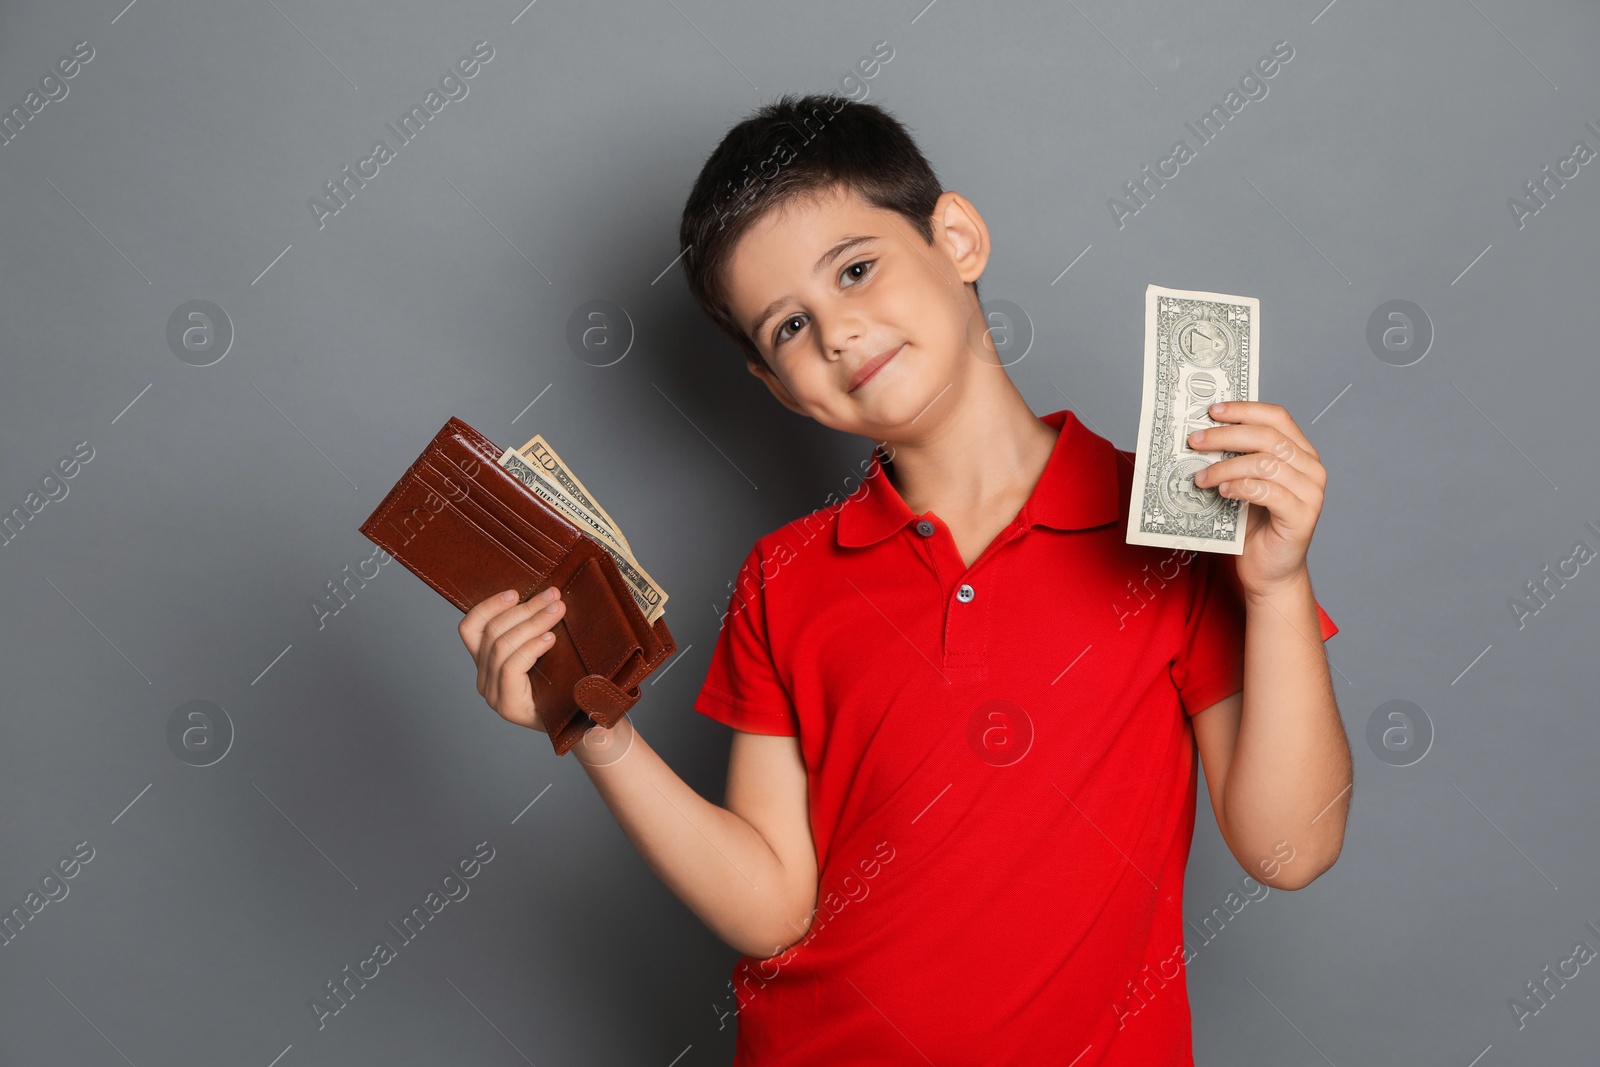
(604,701)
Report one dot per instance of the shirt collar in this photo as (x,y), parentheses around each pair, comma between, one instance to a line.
(1077,490)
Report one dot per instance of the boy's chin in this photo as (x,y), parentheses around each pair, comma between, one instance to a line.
(901,406)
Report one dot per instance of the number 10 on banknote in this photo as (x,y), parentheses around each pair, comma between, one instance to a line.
(1199,348)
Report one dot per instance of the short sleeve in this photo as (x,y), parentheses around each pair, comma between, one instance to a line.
(742,688)
(1210,661)
(1329,628)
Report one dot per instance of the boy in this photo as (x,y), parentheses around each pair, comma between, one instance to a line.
(962,783)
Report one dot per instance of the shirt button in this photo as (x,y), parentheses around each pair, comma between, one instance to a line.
(965,594)
(925,528)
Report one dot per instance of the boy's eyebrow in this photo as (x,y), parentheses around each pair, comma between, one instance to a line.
(822,261)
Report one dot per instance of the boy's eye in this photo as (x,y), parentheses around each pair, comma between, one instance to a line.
(779,338)
(863,265)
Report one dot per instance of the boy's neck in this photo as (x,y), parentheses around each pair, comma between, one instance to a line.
(984,451)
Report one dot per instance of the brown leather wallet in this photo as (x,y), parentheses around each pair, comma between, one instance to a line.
(466,526)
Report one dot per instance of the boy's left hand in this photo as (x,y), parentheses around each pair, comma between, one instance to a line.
(1280,472)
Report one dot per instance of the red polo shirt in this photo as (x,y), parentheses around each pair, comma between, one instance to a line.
(1001,772)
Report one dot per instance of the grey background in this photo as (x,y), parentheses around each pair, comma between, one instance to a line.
(184,561)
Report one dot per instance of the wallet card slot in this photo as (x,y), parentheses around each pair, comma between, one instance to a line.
(485,488)
(463,563)
(483,520)
(489,523)
(531,531)
(557,539)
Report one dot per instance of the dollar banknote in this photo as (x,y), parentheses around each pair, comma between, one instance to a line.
(647,593)
(1199,348)
(539,454)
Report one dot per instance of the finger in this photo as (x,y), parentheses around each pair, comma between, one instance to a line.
(1259,413)
(532,625)
(1258,439)
(531,629)
(477,617)
(515,689)
(1286,507)
(1260,467)
(504,621)
(515,653)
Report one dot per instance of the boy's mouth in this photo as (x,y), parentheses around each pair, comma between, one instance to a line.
(872,366)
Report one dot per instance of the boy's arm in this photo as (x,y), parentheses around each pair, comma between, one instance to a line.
(1276,759)
(1278,754)
(749,871)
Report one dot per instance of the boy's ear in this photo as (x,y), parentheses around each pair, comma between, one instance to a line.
(965,233)
(775,386)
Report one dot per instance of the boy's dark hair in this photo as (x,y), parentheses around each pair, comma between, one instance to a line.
(789,149)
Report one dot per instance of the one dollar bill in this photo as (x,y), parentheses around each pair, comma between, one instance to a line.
(647,593)
(1199,348)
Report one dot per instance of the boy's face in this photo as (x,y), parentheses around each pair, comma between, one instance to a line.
(819,312)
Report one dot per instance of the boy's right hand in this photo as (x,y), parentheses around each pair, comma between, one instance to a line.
(505,638)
